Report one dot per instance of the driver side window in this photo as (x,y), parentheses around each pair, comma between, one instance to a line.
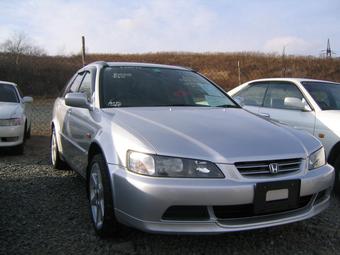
(278,91)
(73,87)
(86,86)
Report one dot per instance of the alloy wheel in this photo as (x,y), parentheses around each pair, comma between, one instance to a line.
(54,149)
(96,196)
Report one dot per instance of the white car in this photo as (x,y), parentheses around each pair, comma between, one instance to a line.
(311,105)
(15,117)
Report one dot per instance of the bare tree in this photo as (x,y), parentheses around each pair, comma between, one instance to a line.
(19,44)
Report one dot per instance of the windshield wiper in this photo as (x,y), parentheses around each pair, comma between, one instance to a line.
(189,105)
(228,106)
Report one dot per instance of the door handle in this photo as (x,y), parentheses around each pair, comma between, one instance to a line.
(69,111)
(263,114)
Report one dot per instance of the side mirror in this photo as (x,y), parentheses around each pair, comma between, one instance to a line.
(296,104)
(27,100)
(77,99)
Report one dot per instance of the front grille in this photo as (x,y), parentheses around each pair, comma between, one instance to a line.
(247,210)
(186,213)
(255,168)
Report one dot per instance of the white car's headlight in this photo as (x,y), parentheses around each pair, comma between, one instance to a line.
(317,159)
(162,166)
(11,122)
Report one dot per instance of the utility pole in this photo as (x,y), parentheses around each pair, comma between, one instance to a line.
(239,72)
(283,71)
(83,49)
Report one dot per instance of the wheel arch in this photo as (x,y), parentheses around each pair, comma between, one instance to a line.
(94,149)
(334,154)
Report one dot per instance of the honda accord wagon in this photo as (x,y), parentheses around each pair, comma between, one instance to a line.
(163,149)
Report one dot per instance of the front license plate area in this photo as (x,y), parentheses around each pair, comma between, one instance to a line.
(276,196)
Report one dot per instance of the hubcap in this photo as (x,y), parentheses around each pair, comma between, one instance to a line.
(96,196)
(53,149)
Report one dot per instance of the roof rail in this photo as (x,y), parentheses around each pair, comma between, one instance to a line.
(102,63)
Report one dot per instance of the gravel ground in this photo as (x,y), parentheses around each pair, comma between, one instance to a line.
(44,211)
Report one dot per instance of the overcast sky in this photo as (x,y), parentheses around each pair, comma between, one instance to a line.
(138,26)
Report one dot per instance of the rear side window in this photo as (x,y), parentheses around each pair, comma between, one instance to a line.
(278,91)
(253,95)
(8,94)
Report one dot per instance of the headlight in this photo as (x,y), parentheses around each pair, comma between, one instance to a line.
(317,159)
(11,122)
(162,166)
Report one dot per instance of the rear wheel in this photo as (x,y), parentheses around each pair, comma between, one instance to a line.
(56,161)
(100,198)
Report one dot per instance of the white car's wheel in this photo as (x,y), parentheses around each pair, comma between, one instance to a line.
(56,161)
(337,177)
(28,133)
(19,149)
(100,198)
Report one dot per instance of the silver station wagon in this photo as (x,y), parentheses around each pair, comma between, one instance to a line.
(163,149)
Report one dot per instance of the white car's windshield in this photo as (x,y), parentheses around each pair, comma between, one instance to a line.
(325,94)
(129,86)
(8,94)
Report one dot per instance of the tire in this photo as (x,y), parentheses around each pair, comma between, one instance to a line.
(55,159)
(337,177)
(100,198)
(19,149)
(28,133)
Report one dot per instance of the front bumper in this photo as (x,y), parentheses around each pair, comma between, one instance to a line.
(142,201)
(11,135)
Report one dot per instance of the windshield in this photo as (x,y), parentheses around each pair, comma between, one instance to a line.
(325,94)
(8,94)
(128,86)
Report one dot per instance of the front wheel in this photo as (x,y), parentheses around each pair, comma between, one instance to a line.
(337,177)
(100,198)
(28,133)
(56,161)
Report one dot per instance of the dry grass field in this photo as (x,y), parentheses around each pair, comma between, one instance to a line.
(46,75)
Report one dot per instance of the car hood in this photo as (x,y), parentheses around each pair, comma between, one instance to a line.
(221,135)
(9,110)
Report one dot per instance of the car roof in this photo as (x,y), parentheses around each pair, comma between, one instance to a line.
(8,83)
(291,80)
(137,64)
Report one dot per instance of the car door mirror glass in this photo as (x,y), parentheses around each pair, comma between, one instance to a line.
(27,100)
(296,104)
(77,99)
